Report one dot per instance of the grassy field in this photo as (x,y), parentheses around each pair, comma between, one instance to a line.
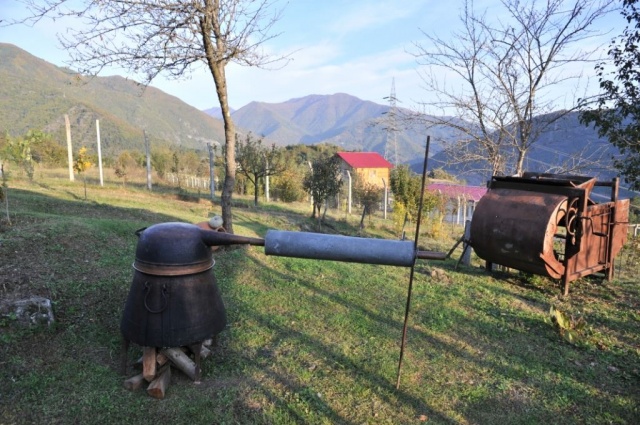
(308,341)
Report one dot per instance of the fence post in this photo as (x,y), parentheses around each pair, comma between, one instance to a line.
(466,258)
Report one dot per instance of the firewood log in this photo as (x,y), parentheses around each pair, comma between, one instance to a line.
(161,359)
(204,352)
(158,386)
(181,361)
(149,363)
(134,382)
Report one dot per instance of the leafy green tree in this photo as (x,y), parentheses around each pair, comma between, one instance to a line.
(369,196)
(139,157)
(191,163)
(322,181)
(4,146)
(161,161)
(256,161)
(617,112)
(175,165)
(82,164)
(124,165)
(287,186)
(405,186)
(4,191)
(45,149)
(303,154)
(19,152)
(634,210)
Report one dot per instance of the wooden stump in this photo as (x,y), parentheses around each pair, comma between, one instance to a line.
(181,361)
(158,386)
(149,363)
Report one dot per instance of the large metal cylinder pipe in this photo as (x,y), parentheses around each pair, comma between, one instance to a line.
(516,228)
(339,248)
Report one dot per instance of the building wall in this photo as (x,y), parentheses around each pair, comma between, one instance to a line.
(373,176)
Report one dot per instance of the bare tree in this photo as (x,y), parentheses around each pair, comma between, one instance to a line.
(148,38)
(497,81)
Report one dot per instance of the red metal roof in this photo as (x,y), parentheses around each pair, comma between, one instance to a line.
(364,160)
(455,190)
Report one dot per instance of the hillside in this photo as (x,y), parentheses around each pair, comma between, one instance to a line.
(36,95)
(339,119)
(566,147)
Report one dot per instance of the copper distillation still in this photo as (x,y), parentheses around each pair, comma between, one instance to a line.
(174,300)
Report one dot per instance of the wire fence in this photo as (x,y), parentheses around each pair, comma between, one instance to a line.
(188,181)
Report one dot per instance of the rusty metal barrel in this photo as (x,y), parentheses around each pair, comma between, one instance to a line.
(516,228)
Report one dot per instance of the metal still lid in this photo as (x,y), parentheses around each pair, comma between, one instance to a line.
(172,249)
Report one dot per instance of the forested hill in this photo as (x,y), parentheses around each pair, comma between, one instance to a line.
(35,95)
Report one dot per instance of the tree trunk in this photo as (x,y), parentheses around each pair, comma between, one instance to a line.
(216,66)
(256,190)
(520,163)
(4,191)
(229,161)
(364,212)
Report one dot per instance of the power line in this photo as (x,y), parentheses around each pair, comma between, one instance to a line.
(392,129)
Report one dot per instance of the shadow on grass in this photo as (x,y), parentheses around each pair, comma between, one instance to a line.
(297,394)
(529,371)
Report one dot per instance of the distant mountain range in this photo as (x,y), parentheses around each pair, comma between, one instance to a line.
(35,94)
(566,147)
(354,124)
(342,120)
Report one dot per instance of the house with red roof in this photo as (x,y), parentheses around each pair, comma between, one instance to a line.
(370,167)
(462,200)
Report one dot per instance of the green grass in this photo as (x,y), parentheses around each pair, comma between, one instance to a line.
(307,341)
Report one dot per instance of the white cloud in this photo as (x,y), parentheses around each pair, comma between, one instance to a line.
(367,77)
(364,15)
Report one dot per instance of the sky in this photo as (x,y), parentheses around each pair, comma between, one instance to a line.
(359,47)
